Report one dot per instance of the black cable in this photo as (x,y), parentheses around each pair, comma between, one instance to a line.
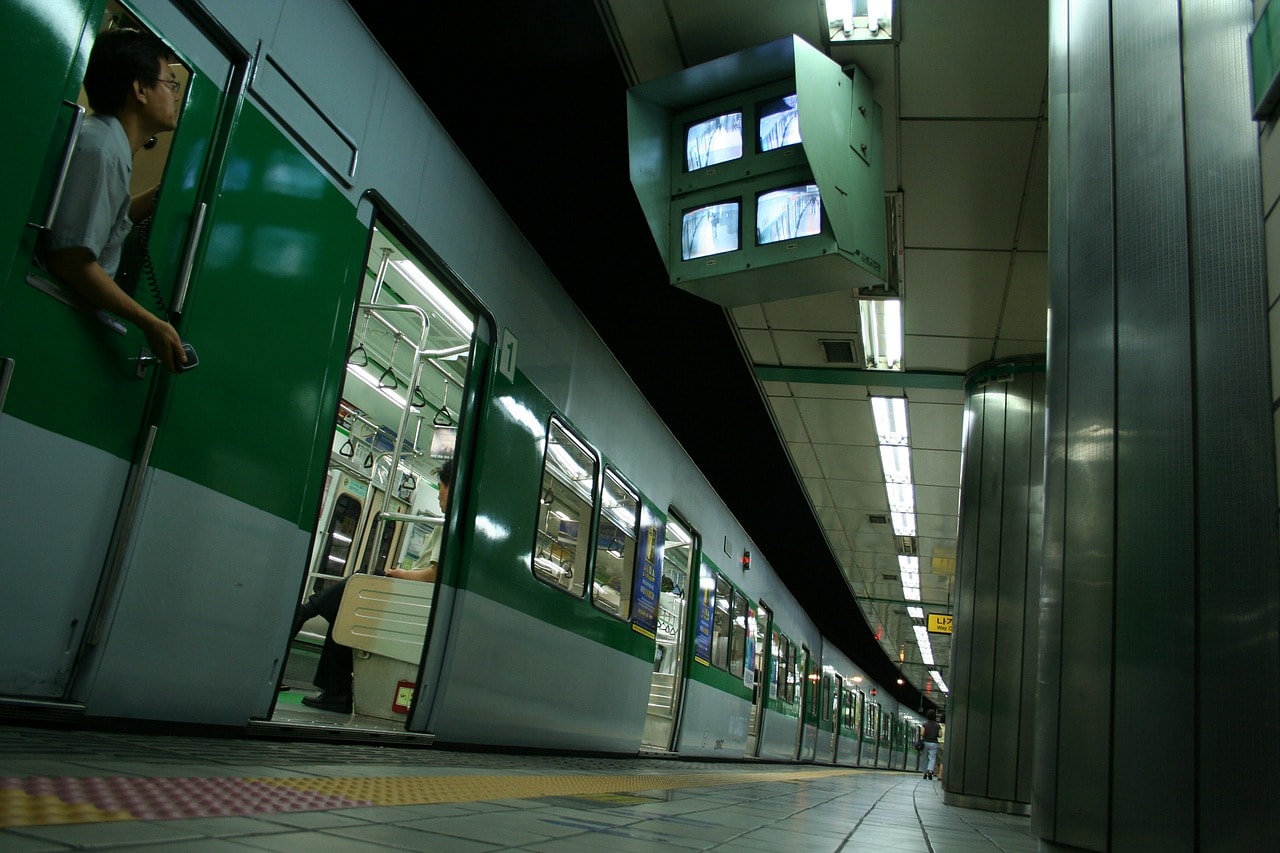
(148,268)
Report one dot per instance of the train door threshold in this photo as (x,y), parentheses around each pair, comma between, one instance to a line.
(348,732)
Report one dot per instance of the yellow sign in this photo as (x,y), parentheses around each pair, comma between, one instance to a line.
(939,623)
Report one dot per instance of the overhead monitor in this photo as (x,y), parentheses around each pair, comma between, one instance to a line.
(779,124)
(788,213)
(711,141)
(710,230)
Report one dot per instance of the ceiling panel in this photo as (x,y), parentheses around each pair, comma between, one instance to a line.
(835,311)
(787,417)
(977,58)
(922,352)
(936,467)
(957,293)
(934,425)
(962,182)
(837,421)
(937,500)
(759,346)
(850,462)
(1026,305)
(805,460)
(804,349)
(818,492)
(832,392)
(859,493)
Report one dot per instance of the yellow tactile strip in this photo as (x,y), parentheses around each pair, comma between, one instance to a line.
(45,800)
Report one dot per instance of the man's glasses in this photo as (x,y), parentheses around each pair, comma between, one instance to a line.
(173,85)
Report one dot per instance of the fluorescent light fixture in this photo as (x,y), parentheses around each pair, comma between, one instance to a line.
(904,523)
(915,612)
(902,497)
(436,297)
(890,414)
(937,677)
(896,462)
(881,333)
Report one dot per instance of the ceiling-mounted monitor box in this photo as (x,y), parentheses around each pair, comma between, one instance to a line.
(761,175)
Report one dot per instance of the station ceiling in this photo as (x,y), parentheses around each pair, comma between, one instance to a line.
(534,94)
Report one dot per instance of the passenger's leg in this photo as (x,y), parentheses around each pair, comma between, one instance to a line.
(333,670)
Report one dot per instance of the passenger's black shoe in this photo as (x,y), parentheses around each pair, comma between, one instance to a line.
(339,703)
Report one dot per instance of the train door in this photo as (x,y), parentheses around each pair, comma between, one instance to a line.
(859,722)
(405,386)
(834,695)
(78,422)
(681,544)
(760,626)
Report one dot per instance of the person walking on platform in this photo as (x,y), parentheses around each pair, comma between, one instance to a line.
(930,734)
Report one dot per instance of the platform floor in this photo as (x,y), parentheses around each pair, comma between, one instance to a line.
(91,790)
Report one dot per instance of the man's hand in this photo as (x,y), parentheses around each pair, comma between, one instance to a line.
(80,269)
(165,344)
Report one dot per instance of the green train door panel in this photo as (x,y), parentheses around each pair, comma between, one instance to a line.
(75,417)
(49,59)
(222,529)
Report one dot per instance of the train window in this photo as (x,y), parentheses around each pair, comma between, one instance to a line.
(617,531)
(792,673)
(569,475)
(738,635)
(777,665)
(827,698)
(721,624)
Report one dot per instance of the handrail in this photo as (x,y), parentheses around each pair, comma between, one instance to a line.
(73,134)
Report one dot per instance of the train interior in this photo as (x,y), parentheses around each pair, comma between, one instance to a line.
(397,423)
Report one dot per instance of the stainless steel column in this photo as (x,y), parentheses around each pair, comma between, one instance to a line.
(990,726)
(1159,654)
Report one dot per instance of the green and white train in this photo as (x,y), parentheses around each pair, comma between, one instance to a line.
(362,309)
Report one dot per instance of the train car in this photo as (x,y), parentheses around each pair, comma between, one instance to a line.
(363,311)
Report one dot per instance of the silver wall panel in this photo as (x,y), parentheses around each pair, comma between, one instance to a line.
(1237,586)
(1045,762)
(1154,608)
(1084,713)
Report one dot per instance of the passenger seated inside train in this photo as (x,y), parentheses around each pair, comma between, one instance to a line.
(333,670)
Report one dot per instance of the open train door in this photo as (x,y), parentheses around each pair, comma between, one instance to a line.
(760,625)
(681,545)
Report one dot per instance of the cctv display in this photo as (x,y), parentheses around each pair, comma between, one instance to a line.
(715,140)
(779,123)
(788,213)
(710,230)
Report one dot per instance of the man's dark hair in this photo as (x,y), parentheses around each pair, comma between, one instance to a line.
(118,58)
(445,473)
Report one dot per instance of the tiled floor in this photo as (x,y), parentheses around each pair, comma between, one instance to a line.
(76,790)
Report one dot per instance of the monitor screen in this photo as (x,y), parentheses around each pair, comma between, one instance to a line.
(779,123)
(715,140)
(787,213)
(709,230)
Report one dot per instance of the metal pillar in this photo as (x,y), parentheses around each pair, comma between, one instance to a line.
(990,722)
(1159,658)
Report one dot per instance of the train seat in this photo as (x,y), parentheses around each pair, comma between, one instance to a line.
(385,621)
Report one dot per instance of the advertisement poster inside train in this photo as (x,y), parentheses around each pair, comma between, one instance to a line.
(706,610)
(648,573)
